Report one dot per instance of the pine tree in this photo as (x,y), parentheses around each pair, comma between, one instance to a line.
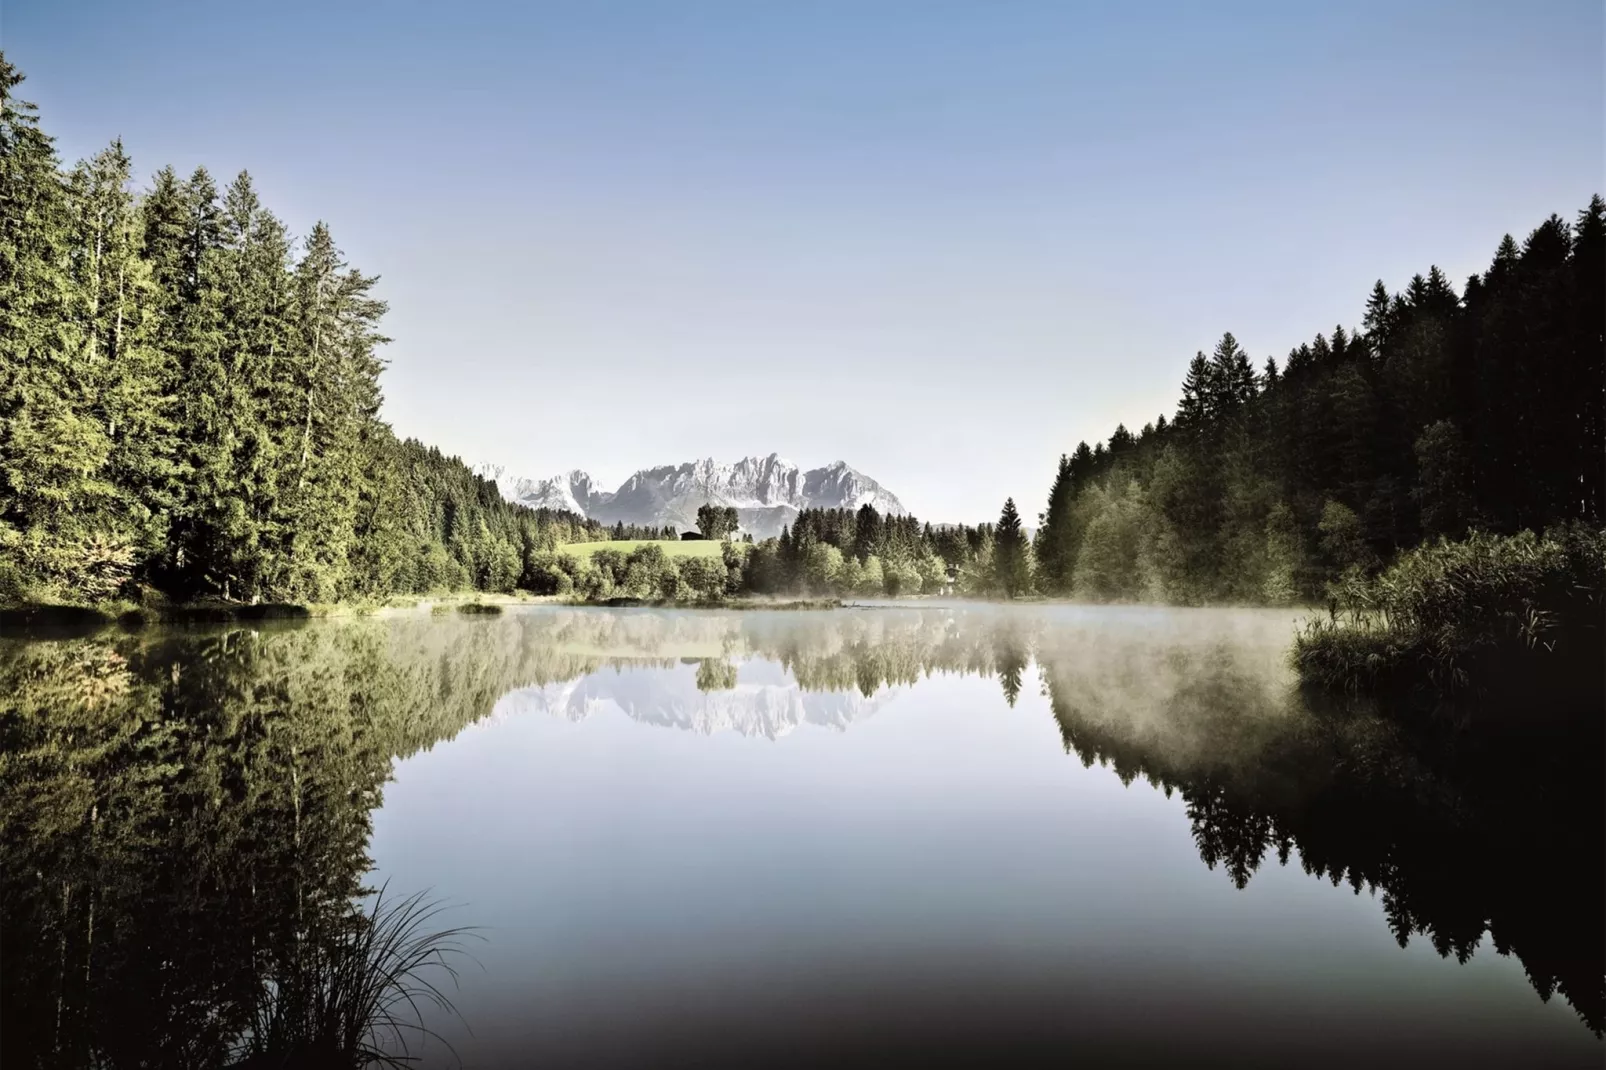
(1231,378)
(334,365)
(1055,558)
(1121,440)
(162,224)
(53,450)
(1011,569)
(868,532)
(207,528)
(1194,411)
(1378,321)
(129,375)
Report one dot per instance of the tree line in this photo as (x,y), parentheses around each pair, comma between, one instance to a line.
(189,407)
(189,404)
(1444,413)
(823,552)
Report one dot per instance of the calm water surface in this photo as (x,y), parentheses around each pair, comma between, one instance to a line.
(962,835)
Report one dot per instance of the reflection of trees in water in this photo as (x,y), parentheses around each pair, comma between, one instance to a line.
(715,674)
(182,817)
(1463,836)
(182,814)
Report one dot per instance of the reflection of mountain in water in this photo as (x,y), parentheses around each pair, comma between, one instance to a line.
(765,701)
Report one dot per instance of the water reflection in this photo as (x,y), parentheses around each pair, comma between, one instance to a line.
(182,812)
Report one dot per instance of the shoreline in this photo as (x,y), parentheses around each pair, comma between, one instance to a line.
(54,615)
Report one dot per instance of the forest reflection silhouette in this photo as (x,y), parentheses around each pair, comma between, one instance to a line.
(180,807)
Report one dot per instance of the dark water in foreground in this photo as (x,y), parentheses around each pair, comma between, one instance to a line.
(939,836)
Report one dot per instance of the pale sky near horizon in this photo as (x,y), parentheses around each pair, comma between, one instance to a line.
(940,241)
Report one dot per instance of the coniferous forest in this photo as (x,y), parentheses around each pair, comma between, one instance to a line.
(189,404)
(1444,413)
(190,397)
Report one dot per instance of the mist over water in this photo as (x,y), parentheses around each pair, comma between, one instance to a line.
(955,834)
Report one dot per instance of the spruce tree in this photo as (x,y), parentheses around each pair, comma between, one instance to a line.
(198,335)
(1011,570)
(1055,538)
(54,498)
(130,376)
(1198,393)
(1378,320)
(868,532)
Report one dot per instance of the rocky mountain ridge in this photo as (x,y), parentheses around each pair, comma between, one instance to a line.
(767,492)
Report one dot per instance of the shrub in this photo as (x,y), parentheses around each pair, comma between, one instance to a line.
(704,577)
(1489,613)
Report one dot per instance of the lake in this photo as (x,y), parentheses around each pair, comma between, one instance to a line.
(913,833)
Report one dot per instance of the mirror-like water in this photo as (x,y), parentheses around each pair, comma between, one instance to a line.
(969,835)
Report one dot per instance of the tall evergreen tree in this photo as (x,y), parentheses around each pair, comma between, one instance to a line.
(1055,559)
(1194,411)
(1444,413)
(54,498)
(1012,570)
(130,375)
(868,532)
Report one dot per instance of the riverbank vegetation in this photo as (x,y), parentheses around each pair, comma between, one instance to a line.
(1508,616)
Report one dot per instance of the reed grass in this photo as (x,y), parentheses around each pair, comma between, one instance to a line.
(358,996)
(1487,614)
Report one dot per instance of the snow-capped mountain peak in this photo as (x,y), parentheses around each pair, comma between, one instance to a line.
(767,492)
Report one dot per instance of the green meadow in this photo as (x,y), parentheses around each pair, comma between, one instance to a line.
(672,548)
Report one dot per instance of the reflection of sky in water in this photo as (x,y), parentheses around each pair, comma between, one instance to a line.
(795,871)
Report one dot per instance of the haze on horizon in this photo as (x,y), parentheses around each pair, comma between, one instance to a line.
(942,242)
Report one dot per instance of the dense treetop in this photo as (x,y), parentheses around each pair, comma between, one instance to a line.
(189,404)
(1443,413)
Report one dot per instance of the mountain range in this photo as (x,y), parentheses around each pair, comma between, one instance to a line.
(767,493)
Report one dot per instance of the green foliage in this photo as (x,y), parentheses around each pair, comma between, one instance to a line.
(669,547)
(822,567)
(705,578)
(1011,564)
(1519,613)
(872,579)
(1343,540)
(716,522)
(1445,414)
(1107,564)
(1444,482)
(187,409)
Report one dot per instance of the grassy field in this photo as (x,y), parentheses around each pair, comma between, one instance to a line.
(693,548)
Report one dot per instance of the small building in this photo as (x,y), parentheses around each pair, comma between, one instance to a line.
(688,536)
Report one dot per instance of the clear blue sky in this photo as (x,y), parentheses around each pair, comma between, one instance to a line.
(941,241)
